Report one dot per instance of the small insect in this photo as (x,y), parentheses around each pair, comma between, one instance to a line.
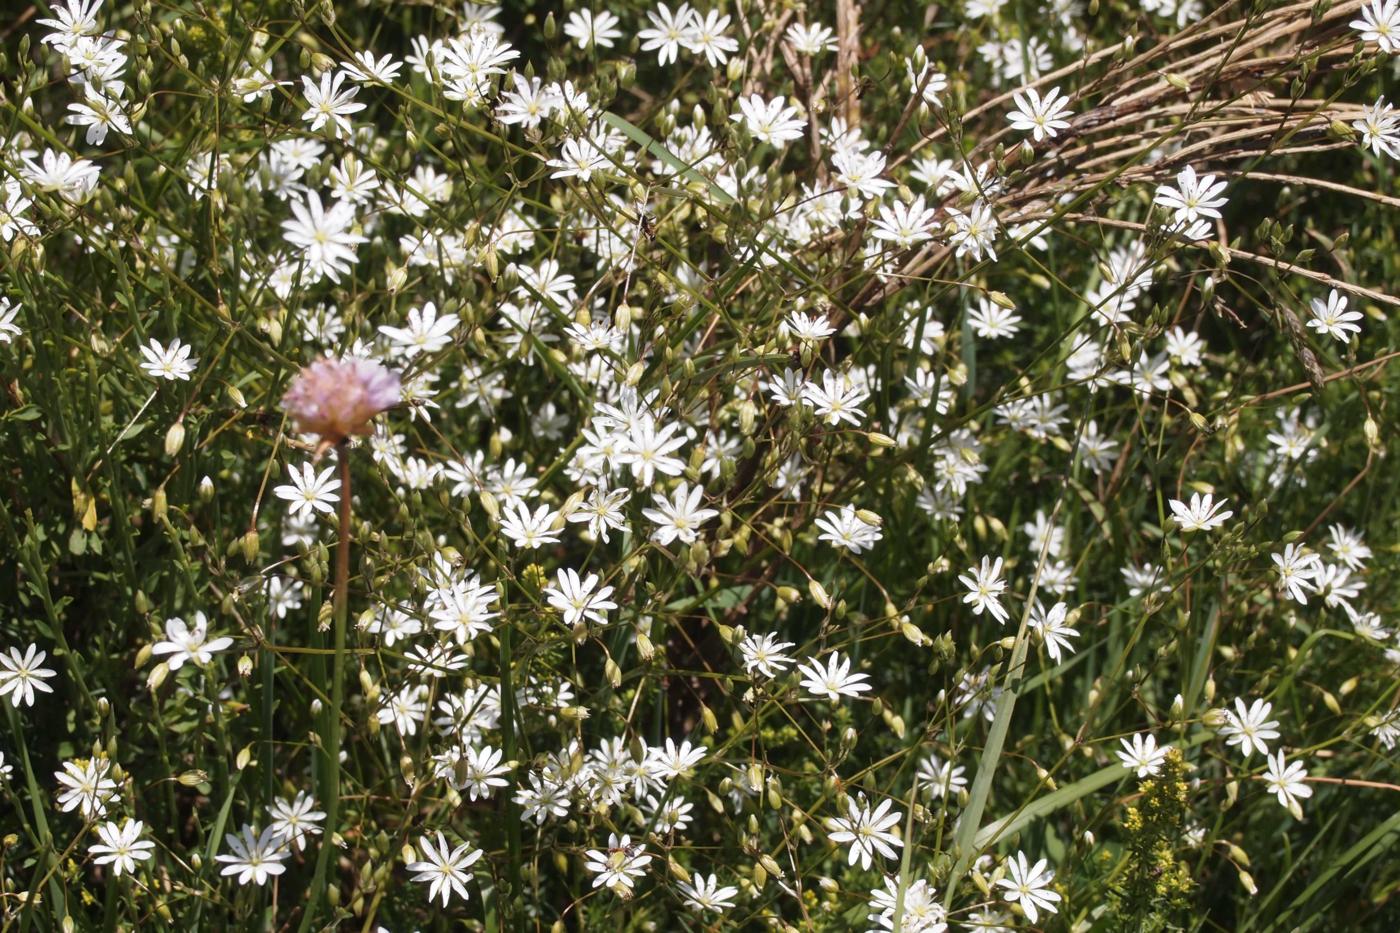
(648,225)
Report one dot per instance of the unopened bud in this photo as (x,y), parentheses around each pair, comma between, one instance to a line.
(1247,882)
(174,438)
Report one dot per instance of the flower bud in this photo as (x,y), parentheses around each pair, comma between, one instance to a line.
(396,277)
(249,544)
(1247,882)
(174,438)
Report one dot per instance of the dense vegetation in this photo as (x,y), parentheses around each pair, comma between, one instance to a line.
(757,465)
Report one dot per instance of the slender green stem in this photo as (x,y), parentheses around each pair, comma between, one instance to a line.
(330,731)
(508,741)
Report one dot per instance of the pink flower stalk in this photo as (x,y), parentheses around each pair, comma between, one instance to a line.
(337,398)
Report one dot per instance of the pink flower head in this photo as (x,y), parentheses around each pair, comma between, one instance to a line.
(336,398)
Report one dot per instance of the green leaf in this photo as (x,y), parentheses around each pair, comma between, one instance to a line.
(665,155)
(1044,806)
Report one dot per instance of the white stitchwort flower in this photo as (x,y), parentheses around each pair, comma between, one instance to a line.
(1142,755)
(22,674)
(189,643)
(765,655)
(1288,782)
(444,871)
(834,679)
(1042,117)
(253,856)
(1193,198)
(172,362)
(1331,317)
(309,492)
(1029,886)
(1380,23)
(1203,514)
(121,846)
(847,530)
(985,588)
(1250,727)
(619,865)
(866,831)
(705,893)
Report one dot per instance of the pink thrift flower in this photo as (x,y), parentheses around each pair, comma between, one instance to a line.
(337,398)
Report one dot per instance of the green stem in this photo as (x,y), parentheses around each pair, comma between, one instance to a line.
(330,732)
(45,863)
(508,742)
